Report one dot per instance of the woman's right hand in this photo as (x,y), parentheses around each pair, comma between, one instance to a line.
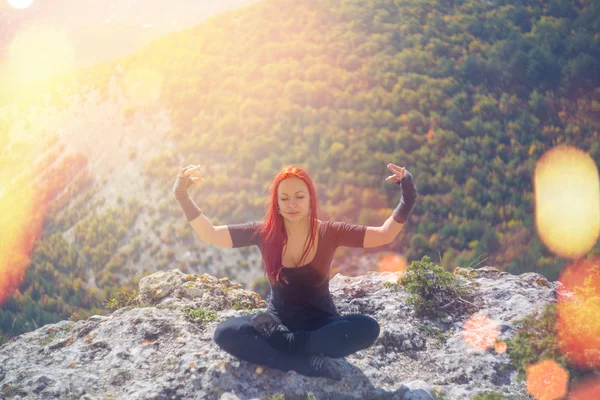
(193,171)
(185,178)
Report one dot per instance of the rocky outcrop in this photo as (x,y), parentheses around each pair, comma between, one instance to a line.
(164,348)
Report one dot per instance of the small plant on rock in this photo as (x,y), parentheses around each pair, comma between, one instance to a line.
(539,338)
(537,341)
(122,299)
(435,292)
(199,315)
(241,306)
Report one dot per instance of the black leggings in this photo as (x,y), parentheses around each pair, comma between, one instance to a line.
(332,337)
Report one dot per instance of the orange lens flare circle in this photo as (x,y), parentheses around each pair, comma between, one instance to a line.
(547,380)
(392,263)
(578,324)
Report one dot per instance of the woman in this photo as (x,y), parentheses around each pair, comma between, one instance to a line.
(301,328)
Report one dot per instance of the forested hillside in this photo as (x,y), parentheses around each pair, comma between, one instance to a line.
(465,94)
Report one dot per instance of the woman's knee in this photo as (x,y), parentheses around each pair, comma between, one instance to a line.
(227,332)
(369,327)
(372,329)
(222,335)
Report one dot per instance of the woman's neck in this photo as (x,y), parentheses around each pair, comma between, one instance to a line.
(298,229)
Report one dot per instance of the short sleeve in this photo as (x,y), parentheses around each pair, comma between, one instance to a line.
(243,235)
(349,235)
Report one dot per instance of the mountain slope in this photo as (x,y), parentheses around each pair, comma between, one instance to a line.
(466,95)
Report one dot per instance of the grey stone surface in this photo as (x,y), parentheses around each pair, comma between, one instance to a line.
(155,352)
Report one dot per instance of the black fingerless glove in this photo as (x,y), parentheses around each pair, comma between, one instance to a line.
(180,188)
(409,196)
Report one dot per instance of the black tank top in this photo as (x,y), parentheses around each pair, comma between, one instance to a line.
(306,296)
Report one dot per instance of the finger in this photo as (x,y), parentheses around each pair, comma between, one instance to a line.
(190,169)
(182,171)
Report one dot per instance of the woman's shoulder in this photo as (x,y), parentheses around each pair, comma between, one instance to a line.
(342,228)
(324,223)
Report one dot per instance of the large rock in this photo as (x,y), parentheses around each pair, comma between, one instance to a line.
(156,351)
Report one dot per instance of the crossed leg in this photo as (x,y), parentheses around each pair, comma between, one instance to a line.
(332,337)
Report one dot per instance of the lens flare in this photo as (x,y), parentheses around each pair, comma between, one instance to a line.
(30,180)
(587,390)
(567,201)
(480,332)
(20,4)
(500,347)
(392,263)
(19,229)
(547,380)
(143,86)
(39,53)
(578,325)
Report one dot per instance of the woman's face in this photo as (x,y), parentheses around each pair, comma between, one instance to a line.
(293,199)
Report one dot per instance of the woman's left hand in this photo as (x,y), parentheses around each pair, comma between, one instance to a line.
(398,173)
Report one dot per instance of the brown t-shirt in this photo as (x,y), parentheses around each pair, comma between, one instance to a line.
(307,295)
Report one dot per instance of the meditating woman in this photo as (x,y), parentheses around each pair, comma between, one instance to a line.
(301,329)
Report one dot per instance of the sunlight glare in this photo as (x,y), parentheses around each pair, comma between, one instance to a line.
(20,4)
(567,201)
(578,325)
(39,53)
(18,231)
(143,86)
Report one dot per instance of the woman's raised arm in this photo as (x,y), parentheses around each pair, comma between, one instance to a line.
(219,235)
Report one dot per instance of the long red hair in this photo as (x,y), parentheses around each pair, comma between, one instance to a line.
(273,229)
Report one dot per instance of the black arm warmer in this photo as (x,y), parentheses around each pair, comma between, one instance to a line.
(190,209)
(409,196)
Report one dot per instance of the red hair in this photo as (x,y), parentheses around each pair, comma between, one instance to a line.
(273,229)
